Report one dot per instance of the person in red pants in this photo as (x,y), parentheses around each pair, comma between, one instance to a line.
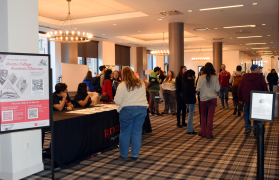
(208,86)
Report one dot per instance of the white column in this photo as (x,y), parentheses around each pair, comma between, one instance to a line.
(55,57)
(160,62)
(106,53)
(19,33)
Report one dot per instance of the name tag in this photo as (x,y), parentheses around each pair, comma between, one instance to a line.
(157,96)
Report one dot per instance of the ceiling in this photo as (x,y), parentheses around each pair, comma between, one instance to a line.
(138,23)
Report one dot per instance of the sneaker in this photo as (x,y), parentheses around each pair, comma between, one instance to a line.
(235,111)
(185,125)
(247,131)
(210,137)
(122,158)
(173,113)
(158,114)
(201,135)
(152,114)
(223,107)
(192,133)
(134,158)
(179,126)
(227,104)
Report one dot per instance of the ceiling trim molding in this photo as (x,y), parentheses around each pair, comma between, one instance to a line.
(196,38)
(111,17)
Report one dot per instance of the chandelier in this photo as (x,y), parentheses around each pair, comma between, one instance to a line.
(200,58)
(161,52)
(70,34)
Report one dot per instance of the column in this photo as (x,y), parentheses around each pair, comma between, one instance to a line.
(19,33)
(141,62)
(217,56)
(133,59)
(69,53)
(176,46)
(106,54)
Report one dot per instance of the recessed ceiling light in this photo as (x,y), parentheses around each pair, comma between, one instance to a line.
(215,28)
(246,48)
(114,24)
(254,43)
(239,26)
(224,7)
(139,31)
(255,4)
(271,42)
(263,24)
(240,44)
(75,28)
(119,41)
(201,29)
(189,10)
(209,41)
(103,34)
(261,48)
(230,38)
(268,35)
(249,37)
(160,19)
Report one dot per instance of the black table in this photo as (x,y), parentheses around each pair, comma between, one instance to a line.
(79,135)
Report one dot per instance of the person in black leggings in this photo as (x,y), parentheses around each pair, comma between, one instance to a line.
(181,106)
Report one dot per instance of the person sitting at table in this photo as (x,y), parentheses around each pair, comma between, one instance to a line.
(82,98)
(131,98)
(88,81)
(61,99)
(107,86)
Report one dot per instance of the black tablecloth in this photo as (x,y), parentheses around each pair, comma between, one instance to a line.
(79,135)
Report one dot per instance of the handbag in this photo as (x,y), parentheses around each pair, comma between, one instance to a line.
(104,97)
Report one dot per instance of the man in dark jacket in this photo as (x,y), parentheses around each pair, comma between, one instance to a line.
(251,81)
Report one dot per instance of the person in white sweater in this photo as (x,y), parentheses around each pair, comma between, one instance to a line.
(208,86)
(131,98)
(169,93)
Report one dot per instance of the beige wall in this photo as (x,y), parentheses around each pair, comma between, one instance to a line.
(160,62)
(106,53)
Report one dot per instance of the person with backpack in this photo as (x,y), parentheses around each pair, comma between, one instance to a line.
(235,81)
(98,81)
(154,88)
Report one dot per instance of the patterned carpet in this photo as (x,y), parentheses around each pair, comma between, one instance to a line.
(170,153)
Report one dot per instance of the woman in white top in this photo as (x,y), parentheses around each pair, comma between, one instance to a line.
(131,98)
(169,93)
(208,86)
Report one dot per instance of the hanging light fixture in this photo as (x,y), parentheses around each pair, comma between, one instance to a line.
(70,34)
(163,51)
(201,57)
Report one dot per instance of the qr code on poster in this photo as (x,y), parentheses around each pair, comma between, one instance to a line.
(32,113)
(7,115)
(37,84)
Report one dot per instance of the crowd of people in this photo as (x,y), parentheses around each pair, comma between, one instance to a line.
(180,94)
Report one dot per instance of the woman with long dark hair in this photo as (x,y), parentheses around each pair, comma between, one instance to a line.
(131,98)
(179,97)
(88,81)
(208,86)
(272,79)
(107,86)
(169,93)
(82,98)
(115,81)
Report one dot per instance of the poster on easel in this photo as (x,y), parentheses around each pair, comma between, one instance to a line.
(24,91)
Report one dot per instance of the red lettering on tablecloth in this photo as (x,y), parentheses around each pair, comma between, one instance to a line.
(112,130)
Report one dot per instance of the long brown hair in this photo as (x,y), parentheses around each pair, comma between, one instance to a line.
(131,80)
(88,76)
(180,74)
(168,78)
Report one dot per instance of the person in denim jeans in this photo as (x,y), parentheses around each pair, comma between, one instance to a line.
(250,81)
(131,98)
(189,97)
(224,77)
(169,94)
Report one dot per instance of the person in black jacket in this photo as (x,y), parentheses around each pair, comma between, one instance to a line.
(181,106)
(189,97)
(272,79)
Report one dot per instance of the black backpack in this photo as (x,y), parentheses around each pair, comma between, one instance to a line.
(96,84)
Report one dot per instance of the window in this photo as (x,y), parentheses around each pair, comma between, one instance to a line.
(43,44)
(166,63)
(80,60)
(151,62)
(93,65)
(258,62)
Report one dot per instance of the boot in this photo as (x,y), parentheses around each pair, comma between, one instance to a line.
(235,111)
(239,113)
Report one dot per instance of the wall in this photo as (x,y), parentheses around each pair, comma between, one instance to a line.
(190,64)
(243,58)
(160,62)
(106,53)
(274,63)
(55,57)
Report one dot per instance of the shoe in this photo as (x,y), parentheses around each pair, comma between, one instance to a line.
(163,113)
(239,113)
(210,137)
(185,125)
(173,113)
(201,135)
(158,114)
(179,126)
(235,111)
(247,131)
(255,135)
(223,107)
(122,158)
(192,132)
(227,104)
(134,158)
(152,114)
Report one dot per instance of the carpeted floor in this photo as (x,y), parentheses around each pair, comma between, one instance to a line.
(170,153)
